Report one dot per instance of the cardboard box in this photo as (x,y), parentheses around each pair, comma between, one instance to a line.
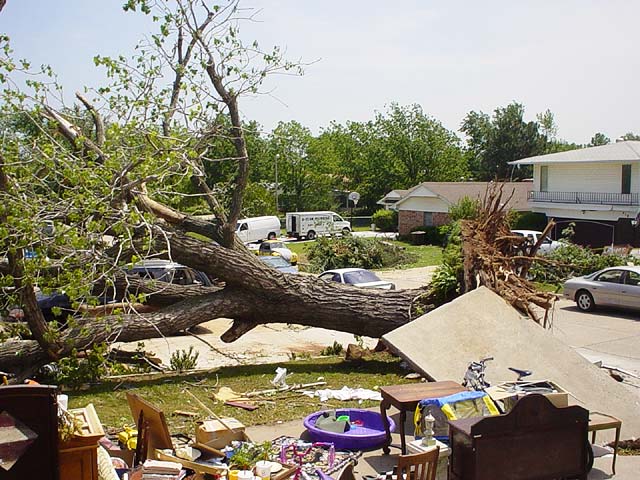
(216,435)
(510,392)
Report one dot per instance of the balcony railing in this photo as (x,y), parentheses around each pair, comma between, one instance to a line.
(592,198)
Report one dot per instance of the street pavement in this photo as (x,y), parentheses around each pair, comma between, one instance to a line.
(605,335)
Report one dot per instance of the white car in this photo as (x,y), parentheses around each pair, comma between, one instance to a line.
(358,277)
(547,244)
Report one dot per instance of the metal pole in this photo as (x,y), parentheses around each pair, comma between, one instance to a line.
(277,186)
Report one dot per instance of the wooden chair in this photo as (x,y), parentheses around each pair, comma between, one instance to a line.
(419,466)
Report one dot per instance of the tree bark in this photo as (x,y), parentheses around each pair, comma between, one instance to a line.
(308,301)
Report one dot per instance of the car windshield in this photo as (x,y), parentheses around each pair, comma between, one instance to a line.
(360,276)
(276,261)
(276,245)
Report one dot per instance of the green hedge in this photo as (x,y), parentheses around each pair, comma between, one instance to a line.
(385,220)
(529,221)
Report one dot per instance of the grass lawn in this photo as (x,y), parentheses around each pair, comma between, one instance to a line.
(168,394)
(427,254)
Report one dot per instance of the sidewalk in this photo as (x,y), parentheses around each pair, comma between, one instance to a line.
(374,461)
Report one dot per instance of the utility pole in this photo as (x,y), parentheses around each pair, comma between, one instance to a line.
(277,186)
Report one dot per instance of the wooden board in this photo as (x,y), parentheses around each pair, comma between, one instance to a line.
(195,466)
(158,435)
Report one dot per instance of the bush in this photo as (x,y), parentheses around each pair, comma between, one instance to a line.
(528,221)
(466,209)
(344,252)
(385,220)
(433,235)
(571,260)
(182,360)
(448,277)
(75,371)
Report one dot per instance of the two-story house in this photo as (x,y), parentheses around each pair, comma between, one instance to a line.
(597,188)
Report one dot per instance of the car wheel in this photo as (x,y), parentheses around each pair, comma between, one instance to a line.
(345,232)
(311,235)
(584,301)
(271,236)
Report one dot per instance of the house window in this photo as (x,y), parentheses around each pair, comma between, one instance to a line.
(428,219)
(626,178)
(544,178)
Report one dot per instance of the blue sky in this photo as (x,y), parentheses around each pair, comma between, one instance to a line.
(577,58)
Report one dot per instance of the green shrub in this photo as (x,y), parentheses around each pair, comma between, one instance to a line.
(571,260)
(385,220)
(528,221)
(329,253)
(465,209)
(182,360)
(448,277)
(75,371)
(335,349)
(433,235)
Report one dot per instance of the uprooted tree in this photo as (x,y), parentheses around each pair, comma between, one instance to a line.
(88,189)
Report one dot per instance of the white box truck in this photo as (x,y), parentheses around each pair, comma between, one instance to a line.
(312,224)
(258,228)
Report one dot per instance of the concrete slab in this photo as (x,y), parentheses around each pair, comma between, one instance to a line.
(481,324)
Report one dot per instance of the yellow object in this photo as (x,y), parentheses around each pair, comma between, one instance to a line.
(128,437)
(468,409)
(226,394)
(233,474)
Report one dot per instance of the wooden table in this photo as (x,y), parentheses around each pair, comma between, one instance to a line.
(406,397)
(601,421)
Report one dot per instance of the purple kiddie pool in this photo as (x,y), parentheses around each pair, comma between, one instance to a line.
(367,431)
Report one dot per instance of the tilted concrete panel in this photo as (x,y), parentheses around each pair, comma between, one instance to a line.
(480,324)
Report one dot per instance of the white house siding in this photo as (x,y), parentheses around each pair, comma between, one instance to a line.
(590,177)
(574,211)
(424,204)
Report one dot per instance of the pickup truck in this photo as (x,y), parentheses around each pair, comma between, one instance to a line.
(547,244)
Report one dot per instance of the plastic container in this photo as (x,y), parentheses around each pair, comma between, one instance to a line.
(367,430)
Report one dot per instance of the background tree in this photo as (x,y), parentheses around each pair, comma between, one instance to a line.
(630,136)
(495,141)
(599,139)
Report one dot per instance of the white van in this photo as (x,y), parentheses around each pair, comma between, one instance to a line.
(312,224)
(258,228)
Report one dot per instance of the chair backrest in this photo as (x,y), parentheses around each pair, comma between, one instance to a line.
(419,466)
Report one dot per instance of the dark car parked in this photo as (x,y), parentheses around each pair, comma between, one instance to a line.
(170,272)
(160,270)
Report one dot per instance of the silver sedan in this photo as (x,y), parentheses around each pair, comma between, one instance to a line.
(614,287)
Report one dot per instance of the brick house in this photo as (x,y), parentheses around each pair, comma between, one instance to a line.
(427,204)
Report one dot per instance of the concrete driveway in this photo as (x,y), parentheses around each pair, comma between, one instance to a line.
(606,335)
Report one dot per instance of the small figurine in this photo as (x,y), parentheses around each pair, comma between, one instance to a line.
(427,430)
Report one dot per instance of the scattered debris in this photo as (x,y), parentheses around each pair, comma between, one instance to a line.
(250,407)
(345,393)
(225,394)
(289,388)
(280,380)
(184,413)
(136,358)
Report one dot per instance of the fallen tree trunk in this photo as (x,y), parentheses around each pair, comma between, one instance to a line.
(305,301)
